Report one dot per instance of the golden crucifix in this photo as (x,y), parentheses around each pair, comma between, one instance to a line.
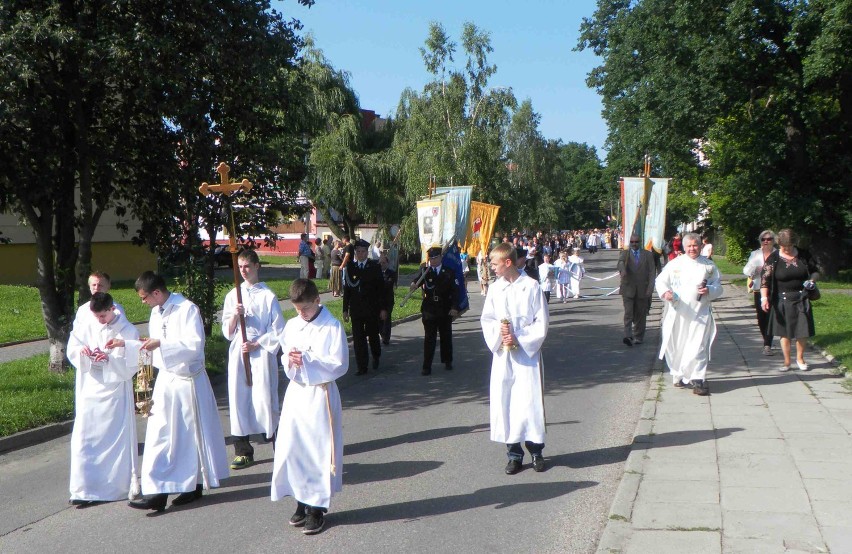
(226,188)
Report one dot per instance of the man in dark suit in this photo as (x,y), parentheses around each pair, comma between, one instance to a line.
(439,307)
(637,270)
(364,302)
(389,278)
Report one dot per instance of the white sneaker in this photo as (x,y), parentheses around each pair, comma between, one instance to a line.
(784,368)
(803,367)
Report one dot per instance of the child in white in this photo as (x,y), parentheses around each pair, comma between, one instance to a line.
(577,270)
(309,446)
(547,277)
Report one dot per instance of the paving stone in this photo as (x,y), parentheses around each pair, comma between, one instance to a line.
(677,491)
(762,500)
(738,409)
(738,477)
(761,419)
(838,539)
(668,515)
(765,462)
(821,469)
(833,513)
(786,528)
(739,545)
(750,445)
(675,542)
(829,489)
(696,471)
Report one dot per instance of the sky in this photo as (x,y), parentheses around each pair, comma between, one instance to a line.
(378,41)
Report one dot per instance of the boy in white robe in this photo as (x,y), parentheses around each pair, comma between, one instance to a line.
(99,281)
(184,443)
(103,442)
(688,284)
(309,445)
(514,322)
(253,409)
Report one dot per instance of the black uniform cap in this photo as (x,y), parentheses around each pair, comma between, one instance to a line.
(361,243)
(434,251)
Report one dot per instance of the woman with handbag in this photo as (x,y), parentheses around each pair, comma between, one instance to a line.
(753,270)
(786,290)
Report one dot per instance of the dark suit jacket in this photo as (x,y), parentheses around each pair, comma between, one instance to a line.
(636,281)
(364,290)
(440,294)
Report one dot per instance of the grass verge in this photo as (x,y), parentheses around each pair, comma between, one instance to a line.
(831,319)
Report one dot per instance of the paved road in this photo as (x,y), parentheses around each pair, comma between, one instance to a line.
(420,474)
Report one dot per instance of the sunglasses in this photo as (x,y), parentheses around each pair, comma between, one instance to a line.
(765,239)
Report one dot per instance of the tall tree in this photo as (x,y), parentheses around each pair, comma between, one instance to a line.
(745,103)
(107,105)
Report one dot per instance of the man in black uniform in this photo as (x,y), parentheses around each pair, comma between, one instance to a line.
(364,301)
(439,307)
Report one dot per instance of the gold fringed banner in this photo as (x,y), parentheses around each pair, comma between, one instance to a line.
(483,217)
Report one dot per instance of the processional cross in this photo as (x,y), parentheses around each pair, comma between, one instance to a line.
(227,189)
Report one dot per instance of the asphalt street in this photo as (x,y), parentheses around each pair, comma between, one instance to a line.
(420,473)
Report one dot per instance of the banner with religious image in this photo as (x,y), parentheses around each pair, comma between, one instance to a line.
(483,218)
(643,208)
(456,212)
(430,223)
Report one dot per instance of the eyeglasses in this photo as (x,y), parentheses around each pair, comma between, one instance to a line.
(765,239)
(634,242)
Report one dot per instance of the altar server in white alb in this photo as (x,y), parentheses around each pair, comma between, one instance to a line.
(103,443)
(514,321)
(254,409)
(99,281)
(184,444)
(309,446)
(688,284)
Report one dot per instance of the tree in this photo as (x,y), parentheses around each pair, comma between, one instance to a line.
(100,104)
(759,88)
(351,169)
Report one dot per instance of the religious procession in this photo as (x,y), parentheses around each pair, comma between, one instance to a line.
(316,277)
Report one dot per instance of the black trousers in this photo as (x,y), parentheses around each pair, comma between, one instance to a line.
(433,325)
(762,321)
(385,326)
(242,446)
(515,452)
(363,330)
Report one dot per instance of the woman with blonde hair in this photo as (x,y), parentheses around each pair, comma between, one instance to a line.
(753,270)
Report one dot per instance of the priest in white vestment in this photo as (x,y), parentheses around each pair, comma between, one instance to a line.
(103,442)
(309,445)
(184,444)
(514,322)
(688,284)
(253,409)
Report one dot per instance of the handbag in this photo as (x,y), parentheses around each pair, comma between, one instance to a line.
(814,294)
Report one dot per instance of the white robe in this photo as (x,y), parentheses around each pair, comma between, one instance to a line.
(578,271)
(517,382)
(303,446)
(85,312)
(103,442)
(254,409)
(184,421)
(688,328)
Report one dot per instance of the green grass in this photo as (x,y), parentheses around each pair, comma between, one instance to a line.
(726,267)
(266,259)
(31,396)
(831,319)
(20,312)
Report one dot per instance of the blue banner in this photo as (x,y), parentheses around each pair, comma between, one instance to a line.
(456,212)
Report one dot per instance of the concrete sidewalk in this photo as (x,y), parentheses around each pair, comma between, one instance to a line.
(758,466)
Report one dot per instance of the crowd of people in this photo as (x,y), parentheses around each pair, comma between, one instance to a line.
(185,450)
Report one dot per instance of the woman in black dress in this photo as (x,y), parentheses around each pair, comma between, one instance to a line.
(788,274)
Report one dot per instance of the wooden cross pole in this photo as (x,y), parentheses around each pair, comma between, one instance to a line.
(226,188)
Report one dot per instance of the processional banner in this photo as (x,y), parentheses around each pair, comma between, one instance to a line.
(430,223)
(483,218)
(643,208)
(456,212)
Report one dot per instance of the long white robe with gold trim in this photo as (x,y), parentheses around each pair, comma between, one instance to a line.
(517,383)
(103,442)
(254,409)
(184,437)
(688,327)
(303,446)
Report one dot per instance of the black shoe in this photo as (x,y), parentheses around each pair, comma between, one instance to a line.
(78,502)
(448,366)
(156,502)
(361,371)
(314,522)
(513,467)
(299,516)
(187,497)
(681,385)
(628,341)
(386,342)
(538,463)
(425,371)
(700,388)
(375,363)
